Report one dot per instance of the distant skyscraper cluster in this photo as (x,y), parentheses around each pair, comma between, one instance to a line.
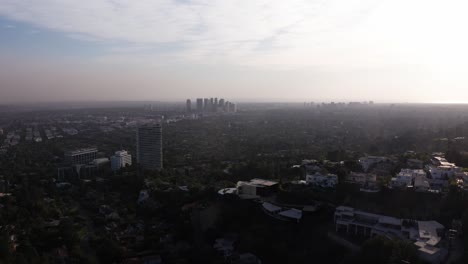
(211,105)
(337,104)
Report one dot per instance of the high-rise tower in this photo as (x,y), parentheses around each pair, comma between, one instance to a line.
(149,146)
(199,104)
(189,105)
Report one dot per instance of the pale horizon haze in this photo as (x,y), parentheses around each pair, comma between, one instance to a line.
(253,50)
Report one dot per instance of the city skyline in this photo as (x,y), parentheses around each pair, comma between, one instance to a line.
(137,183)
(211,104)
(247,51)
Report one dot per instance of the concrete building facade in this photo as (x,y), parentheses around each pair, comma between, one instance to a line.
(80,156)
(149,146)
(120,159)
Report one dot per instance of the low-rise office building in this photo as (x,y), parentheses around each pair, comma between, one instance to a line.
(80,156)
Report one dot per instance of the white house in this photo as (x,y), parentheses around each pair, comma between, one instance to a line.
(406,177)
(426,235)
(120,160)
(443,172)
(441,169)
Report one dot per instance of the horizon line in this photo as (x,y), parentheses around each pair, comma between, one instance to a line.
(237,101)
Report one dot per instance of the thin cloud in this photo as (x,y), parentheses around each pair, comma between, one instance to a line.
(33,32)
(227,30)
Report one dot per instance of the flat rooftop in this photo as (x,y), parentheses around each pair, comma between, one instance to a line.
(389,220)
(271,207)
(263,182)
(79,151)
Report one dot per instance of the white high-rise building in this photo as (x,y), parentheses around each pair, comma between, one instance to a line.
(149,146)
(120,159)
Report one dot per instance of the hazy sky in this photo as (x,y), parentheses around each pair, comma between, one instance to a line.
(294,50)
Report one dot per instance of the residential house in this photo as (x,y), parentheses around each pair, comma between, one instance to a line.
(256,188)
(367,181)
(421,184)
(368,161)
(426,235)
(442,169)
(280,213)
(322,180)
(406,177)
